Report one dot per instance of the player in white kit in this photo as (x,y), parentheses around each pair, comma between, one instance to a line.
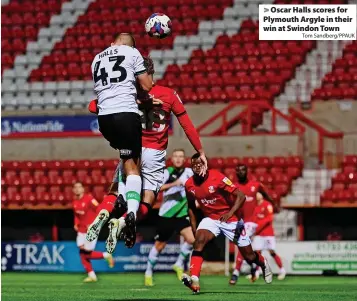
(173,216)
(115,72)
(155,118)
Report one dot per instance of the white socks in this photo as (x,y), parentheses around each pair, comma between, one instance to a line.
(133,192)
(236,272)
(91,274)
(152,259)
(185,251)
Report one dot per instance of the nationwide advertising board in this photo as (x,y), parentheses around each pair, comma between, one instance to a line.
(64,257)
(51,126)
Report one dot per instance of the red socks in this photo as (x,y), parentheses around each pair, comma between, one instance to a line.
(277,260)
(96,255)
(196,263)
(143,211)
(86,256)
(108,203)
(239,261)
(85,261)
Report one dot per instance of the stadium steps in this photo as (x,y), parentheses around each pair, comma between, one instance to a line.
(307,189)
(308,76)
(285,225)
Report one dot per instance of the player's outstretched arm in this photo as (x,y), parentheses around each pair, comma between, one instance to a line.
(267,197)
(240,199)
(169,185)
(189,129)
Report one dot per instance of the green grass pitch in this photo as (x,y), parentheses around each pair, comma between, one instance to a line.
(63,287)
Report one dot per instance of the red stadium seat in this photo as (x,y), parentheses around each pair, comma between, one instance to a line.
(231,161)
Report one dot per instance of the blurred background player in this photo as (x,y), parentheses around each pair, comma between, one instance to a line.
(250,189)
(155,116)
(84,207)
(173,216)
(264,238)
(219,201)
(115,72)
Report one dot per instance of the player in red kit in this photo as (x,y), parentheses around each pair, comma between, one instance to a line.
(250,189)
(84,207)
(155,110)
(264,238)
(219,201)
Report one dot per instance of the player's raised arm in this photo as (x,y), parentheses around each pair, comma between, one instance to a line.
(267,197)
(189,129)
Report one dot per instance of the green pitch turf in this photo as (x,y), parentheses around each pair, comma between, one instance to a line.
(65,287)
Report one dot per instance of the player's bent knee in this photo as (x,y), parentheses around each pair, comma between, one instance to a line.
(199,243)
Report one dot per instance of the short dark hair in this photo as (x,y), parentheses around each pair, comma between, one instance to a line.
(195,156)
(149,65)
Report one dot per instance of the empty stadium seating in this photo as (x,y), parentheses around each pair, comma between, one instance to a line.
(20,23)
(239,67)
(344,184)
(341,82)
(94,30)
(50,182)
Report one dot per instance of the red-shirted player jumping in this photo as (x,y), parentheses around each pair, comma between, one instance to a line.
(84,207)
(264,238)
(250,189)
(219,200)
(156,119)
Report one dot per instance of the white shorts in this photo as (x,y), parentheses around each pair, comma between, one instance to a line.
(250,228)
(153,164)
(228,229)
(261,243)
(83,242)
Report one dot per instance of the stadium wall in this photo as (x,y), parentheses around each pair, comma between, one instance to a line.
(98,148)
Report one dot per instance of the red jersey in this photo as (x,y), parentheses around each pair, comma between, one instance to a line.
(250,190)
(84,212)
(156,119)
(214,195)
(263,217)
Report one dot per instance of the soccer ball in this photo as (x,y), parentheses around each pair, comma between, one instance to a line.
(158,25)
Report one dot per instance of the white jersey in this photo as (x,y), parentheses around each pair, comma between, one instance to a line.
(114,71)
(174,202)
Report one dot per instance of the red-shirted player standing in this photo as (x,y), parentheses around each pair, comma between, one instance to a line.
(156,121)
(250,189)
(219,200)
(264,238)
(84,207)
